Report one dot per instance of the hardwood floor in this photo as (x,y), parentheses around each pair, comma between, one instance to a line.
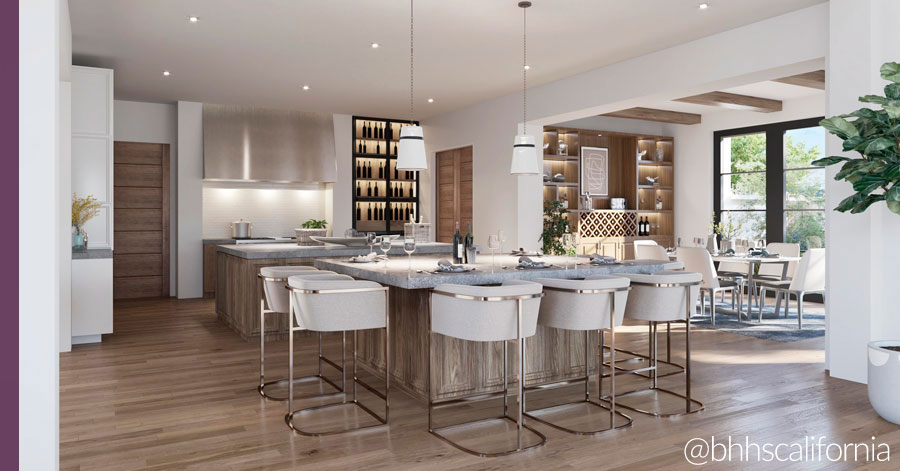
(174,388)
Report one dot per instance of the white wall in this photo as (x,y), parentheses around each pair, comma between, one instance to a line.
(64,178)
(342,189)
(776,47)
(190,199)
(862,253)
(274,210)
(155,123)
(694,158)
(38,380)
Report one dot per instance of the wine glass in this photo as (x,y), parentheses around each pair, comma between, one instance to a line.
(502,236)
(493,244)
(409,246)
(370,240)
(385,247)
(568,241)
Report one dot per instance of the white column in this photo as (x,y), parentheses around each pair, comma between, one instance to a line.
(862,250)
(190,200)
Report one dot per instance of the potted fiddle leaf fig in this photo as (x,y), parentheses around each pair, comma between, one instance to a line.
(309,229)
(875,135)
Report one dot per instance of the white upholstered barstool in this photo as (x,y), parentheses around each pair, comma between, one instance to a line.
(275,300)
(339,304)
(486,314)
(585,305)
(667,296)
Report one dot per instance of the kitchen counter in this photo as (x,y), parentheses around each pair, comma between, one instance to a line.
(280,250)
(91,254)
(237,287)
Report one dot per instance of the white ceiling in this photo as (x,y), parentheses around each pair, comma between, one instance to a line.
(467,51)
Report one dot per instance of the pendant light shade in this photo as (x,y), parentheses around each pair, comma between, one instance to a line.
(524,158)
(411,155)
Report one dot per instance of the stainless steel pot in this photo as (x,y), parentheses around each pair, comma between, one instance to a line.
(240,229)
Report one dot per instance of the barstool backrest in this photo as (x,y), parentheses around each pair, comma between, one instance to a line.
(338,303)
(485,320)
(582,311)
(698,260)
(276,296)
(648,302)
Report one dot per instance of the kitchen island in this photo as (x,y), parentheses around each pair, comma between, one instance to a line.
(238,288)
(462,368)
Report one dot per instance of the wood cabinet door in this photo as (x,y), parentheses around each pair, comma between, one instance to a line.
(454,192)
(141,220)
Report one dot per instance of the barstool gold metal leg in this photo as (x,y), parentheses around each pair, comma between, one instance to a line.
(521,392)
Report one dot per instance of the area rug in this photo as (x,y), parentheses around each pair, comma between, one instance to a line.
(778,328)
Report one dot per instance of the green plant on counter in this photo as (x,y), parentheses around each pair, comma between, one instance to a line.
(556,223)
(874,134)
(314,224)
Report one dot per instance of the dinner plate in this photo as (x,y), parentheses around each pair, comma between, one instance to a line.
(437,272)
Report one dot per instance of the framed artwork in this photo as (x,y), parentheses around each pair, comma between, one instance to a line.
(594,171)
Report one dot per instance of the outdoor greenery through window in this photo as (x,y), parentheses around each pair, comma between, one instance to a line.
(766,185)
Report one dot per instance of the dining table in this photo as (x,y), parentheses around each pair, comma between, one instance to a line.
(461,368)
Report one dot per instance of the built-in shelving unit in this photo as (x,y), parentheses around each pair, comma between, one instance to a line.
(632,159)
(384,198)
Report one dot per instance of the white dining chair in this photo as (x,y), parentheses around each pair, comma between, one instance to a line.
(810,279)
(773,271)
(649,250)
(698,260)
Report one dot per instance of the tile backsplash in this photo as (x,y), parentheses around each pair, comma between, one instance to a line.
(274,210)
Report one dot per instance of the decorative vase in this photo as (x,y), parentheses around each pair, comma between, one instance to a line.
(727,244)
(79,239)
(712,245)
(304,236)
(884,379)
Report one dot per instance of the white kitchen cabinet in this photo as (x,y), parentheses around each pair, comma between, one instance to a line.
(92,147)
(92,299)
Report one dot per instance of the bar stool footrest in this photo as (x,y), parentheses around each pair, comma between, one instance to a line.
(612,426)
(289,419)
(261,389)
(436,433)
(699,405)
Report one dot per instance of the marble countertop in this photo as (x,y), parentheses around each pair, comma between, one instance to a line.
(281,250)
(397,274)
(91,254)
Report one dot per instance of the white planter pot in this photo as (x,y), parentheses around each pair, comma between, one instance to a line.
(884,379)
(303,235)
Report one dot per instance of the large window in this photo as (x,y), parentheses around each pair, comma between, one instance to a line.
(764,181)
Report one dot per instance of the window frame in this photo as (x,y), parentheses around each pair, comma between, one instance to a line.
(774,170)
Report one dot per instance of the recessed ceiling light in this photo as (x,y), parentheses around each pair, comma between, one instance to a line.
(166,73)
(193,19)
(527,67)
(306,87)
(375,45)
(703,5)
(431,100)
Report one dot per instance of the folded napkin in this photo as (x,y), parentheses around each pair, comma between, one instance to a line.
(598,259)
(444,265)
(369,257)
(527,262)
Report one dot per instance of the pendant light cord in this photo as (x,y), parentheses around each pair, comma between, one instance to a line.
(524,71)
(411,62)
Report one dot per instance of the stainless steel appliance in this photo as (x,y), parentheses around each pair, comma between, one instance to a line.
(241,229)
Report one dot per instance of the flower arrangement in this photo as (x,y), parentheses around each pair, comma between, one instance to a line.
(728,230)
(84,209)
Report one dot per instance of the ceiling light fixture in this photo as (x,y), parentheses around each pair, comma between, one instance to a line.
(527,67)
(305,88)
(431,100)
(375,45)
(524,158)
(193,19)
(166,73)
(703,5)
(411,154)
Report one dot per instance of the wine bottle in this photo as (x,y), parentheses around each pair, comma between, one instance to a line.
(364,147)
(358,212)
(381,131)
(381,170)
(396,172)
(412,190)
(376,189)
(470,241)
(379,213)
(377,147)
(357,169)
(457,245)
(369,171)
(369,212)
(390,190)
(406,216)
(369,189)
(401,191)
(640,227)
(366,130)
(359,146)
(358,191)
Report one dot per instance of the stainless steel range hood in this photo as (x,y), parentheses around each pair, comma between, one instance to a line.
(243,143)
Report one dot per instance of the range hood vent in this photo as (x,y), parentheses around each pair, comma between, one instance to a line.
(244,143)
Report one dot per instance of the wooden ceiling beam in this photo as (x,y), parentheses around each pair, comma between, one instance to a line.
(662,116)
(815,79)
(733,101)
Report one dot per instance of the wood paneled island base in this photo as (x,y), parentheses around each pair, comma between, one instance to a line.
(462,368)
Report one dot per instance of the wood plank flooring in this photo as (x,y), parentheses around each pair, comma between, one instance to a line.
(174,388)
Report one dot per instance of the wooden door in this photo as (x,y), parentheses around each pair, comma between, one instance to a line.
(141,220)
(454,190)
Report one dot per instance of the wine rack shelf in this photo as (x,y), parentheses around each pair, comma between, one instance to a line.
(383,197)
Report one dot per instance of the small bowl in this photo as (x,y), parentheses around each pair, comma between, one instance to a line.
(559,177)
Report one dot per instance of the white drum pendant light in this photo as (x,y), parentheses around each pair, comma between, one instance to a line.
(524,157)
(411,154)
